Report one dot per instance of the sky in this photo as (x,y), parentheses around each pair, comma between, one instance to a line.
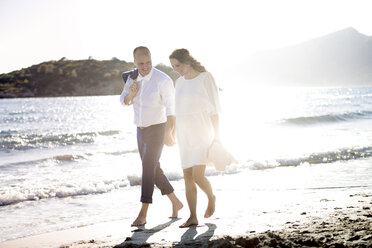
(219,34)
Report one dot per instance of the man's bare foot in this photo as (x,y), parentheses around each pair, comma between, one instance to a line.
(211,207)
(140,221)
(190,222)
(176,207)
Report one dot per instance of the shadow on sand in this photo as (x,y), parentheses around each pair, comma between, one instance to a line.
(141,235)
(188,238)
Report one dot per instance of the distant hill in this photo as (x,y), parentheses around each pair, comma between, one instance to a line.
(342,58)
(69,78)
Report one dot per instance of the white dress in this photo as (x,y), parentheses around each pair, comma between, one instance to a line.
(196,100)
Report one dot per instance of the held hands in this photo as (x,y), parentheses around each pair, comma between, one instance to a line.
(169,139)
(170,131)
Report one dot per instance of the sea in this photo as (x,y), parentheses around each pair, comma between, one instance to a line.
(67,162)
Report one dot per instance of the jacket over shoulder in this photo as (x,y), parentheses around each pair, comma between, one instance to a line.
(133,74)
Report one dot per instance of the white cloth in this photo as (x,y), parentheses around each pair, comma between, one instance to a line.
(219,157)
(154,100)
(196,100)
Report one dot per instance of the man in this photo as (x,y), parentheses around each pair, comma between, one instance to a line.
(152,96)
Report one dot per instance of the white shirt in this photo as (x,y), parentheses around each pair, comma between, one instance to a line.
(154,100)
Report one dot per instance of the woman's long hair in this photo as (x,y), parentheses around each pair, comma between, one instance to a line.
(184,57)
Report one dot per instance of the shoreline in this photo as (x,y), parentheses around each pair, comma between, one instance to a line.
(346,226)
(350,228)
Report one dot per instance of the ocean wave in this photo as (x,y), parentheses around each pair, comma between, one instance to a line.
(329,118)
(62,158)
(315,158)
(22,112)
(136,180)
(7,133)
(118,153)
(14,195)
(12,140)
(57,159)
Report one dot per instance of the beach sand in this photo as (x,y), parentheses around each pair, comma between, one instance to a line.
(350,227)
(282,218)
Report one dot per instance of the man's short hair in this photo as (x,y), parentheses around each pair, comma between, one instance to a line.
(141,48)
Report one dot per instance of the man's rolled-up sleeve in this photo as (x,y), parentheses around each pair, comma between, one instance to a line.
(124,93)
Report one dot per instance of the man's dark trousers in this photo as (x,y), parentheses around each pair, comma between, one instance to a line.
(150,142)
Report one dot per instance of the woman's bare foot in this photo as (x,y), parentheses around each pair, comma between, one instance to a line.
(190,222)
(140,221)
(177,206)
(211,207)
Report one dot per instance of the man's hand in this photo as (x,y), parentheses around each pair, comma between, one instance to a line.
(133,89)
